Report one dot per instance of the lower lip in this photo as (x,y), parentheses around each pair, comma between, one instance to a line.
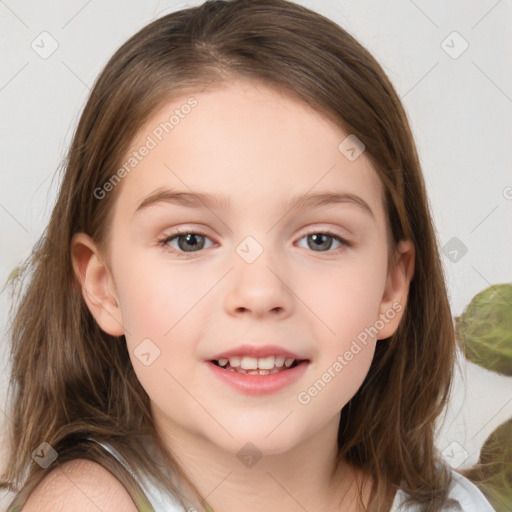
(259,384)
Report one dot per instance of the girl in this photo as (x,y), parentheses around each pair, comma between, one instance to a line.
(238,301)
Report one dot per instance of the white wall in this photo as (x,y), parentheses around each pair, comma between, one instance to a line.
(460,108)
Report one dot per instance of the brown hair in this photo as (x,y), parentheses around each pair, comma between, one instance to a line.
(70,379)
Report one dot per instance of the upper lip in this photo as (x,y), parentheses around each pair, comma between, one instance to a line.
(257,352)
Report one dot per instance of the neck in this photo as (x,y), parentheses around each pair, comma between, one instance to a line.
(305,477)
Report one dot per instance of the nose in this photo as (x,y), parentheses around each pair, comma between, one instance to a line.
(261,288)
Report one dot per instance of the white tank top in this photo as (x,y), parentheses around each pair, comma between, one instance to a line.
(464,492)
(161,502)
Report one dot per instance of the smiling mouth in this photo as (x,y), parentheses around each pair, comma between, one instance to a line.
(277,367)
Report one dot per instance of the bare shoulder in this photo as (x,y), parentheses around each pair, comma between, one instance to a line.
(79,484)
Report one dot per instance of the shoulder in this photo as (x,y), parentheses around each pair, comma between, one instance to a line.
(79,484)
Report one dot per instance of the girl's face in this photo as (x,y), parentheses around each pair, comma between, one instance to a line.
(250,275)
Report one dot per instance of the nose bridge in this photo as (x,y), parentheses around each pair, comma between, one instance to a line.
(257,283)
(255,232)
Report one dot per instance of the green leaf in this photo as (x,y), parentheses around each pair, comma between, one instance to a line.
(485,329)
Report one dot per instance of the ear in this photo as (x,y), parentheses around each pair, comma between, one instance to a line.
(97,284)
(396,291)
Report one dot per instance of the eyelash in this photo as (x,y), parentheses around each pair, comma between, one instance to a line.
(163,242)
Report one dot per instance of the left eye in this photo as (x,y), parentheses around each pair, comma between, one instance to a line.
(191,241)
(321,239)
(190,238)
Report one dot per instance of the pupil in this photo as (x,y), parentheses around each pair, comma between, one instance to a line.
(188,237)
(316,238)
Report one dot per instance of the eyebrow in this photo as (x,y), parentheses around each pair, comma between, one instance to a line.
(205,200)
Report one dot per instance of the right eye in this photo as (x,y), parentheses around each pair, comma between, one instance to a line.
(317,236)
(186,239)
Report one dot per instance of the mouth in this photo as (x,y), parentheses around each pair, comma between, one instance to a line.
(263,376)
(262,366)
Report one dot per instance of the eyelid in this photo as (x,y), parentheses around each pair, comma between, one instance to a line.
(183,230)
(179,231)
(333,234)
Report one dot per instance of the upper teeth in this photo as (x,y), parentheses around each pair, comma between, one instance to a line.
(252,363)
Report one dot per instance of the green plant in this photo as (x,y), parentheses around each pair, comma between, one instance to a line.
(485,328)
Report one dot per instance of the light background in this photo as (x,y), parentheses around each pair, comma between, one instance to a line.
(459,105)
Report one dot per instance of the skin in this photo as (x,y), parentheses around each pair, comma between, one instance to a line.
(257,146)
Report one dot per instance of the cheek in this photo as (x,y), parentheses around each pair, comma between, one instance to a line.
(347,305)
(154,297)
(344,298)
(160,308)
(336,381)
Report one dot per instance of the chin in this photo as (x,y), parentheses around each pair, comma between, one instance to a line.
(273,440)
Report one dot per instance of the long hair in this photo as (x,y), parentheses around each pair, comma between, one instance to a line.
(70,379)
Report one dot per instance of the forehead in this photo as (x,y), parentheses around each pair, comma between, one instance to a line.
(249,143)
